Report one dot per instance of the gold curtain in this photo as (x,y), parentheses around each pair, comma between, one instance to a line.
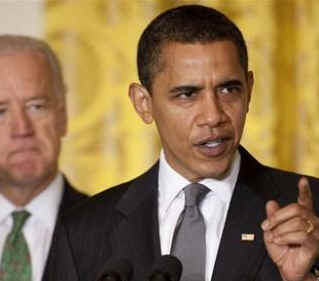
(96,42)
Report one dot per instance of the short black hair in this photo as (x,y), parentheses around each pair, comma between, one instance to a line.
(185,24)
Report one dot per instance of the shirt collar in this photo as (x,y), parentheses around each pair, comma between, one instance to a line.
(224,188)
(6,208)
(171,183)
(43,207)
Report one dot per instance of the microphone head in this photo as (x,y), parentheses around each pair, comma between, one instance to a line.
(167,268)
(117,270)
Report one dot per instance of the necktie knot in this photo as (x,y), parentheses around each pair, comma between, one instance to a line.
(19,219)
(194,194)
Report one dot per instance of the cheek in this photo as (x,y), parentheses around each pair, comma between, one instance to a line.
(60,125)
(6,143)
(175,123)
(238,120)
(5,146)
(48,135)
(171,129)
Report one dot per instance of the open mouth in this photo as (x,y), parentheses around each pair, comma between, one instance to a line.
(213,147)
(212,143)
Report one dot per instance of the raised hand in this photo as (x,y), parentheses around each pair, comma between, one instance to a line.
(291,235)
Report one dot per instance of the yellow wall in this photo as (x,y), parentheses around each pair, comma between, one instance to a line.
(107,143)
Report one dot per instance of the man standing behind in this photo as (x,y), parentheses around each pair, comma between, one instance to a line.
(32,122)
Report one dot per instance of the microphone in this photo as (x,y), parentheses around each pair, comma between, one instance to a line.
(167,268)
(117,270)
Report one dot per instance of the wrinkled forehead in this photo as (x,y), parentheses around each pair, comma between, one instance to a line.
(25,59)
(27,69)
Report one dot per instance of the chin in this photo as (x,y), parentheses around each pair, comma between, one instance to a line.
(26,178)
(216,171)
(30,173)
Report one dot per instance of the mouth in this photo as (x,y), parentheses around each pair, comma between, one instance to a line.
(213,147)
(212,143)
(23,151)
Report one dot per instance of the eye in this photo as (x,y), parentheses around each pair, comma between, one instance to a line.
(230,90)
(186,94)
(37,106)
(3,111)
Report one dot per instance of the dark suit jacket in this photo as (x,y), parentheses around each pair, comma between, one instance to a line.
(122,222)
(70,198)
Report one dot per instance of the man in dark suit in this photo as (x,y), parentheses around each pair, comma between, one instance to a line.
(33,193)
(260,222)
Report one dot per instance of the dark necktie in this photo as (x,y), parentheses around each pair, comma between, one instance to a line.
(189,243)
(16,261)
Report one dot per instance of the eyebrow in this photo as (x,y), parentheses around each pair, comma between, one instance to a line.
(44,98)
(185,88)
(229,83)
(38,98)
(194,88)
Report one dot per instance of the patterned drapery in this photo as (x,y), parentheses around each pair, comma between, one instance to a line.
(108,144)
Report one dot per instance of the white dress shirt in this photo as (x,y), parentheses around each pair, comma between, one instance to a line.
(39,227)
(214,207)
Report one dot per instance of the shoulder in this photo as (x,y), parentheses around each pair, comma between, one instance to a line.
(251,168)
(272,181)
(287,183)
(71,196)
(92,209)
(72,193)
(105,204)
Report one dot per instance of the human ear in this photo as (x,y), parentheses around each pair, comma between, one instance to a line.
(62,118)
(142,102)
(250,85)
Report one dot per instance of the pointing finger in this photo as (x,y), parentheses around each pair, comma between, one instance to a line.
(305,195)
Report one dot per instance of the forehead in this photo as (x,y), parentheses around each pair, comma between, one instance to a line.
(25,63)
(212,50)
(24,72)
(197,60)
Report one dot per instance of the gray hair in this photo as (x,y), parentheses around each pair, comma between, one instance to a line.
(17,43)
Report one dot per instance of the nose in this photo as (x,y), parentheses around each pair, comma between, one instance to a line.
(211,112)
(21,124)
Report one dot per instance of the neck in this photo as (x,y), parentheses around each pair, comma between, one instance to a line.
(21,195)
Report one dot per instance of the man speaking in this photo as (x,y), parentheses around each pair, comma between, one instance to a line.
(207,200)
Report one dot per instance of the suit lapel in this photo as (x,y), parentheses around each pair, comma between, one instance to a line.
(69,198)
(137,235)
(241,249)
